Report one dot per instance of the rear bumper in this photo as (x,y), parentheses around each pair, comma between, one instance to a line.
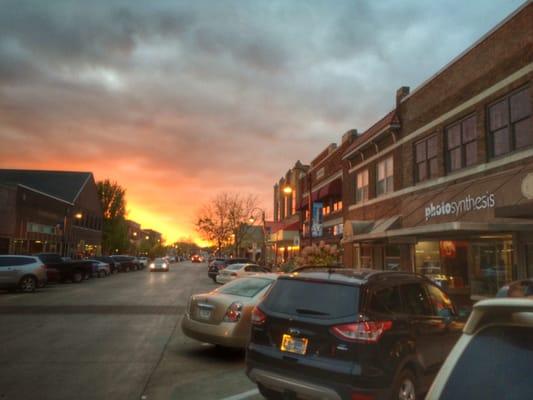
(223,334)
(293,378)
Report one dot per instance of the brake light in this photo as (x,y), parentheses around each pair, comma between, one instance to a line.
(258,316)
(233,313)
(366,331)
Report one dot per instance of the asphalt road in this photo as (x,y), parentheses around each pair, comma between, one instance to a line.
(114,338)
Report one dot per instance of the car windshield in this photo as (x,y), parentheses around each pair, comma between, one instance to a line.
(160,260)
(235,267)
(245,287)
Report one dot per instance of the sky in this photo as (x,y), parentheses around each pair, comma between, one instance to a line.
(180,100)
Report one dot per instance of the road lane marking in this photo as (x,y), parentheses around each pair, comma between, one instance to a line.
(243,395)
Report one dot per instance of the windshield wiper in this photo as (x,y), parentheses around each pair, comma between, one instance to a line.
(312,312)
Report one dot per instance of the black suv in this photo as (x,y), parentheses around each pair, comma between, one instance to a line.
(350,334)
(221,263)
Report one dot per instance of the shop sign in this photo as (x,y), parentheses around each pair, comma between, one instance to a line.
(469,203)
(316,229)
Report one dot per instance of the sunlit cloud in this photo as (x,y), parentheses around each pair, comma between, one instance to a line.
(179,100)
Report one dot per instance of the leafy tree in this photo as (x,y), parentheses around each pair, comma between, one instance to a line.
(224,219)
(115,231)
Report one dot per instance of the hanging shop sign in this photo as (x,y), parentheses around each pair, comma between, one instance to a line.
(316,229)
(456,208)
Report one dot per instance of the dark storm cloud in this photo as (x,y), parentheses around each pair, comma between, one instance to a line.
(225,93)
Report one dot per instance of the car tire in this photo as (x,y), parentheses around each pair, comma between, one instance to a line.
(77,277)
(27,284)
(405,387)
(269,394)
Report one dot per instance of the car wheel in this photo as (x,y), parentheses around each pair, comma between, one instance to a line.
(405,386)
(269,394)
(77,277)
(27,284)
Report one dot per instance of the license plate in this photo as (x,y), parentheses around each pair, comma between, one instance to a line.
(204,314)
(293,345)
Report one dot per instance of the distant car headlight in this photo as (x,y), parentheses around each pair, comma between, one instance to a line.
(164,265)
(152,266)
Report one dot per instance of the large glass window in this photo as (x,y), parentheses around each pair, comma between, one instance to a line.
(461,141)
(511,123)
(491,265)
(427,258)
(361,192)
(385,174)
(426,158)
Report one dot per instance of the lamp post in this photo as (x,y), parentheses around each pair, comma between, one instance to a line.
(263,224)
(310,207)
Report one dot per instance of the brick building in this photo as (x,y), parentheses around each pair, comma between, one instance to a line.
(51,211)
(443,185)
(324,180)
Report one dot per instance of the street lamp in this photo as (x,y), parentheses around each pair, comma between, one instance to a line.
(78,215)
(287,190)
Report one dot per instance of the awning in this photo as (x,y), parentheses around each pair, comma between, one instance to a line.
(523,210)
(287,233)
(333,188)
(434,230)
(354,228)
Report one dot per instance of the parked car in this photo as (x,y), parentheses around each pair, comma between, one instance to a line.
(114,265)
(221,263)
(521,288)
(100,268)
(24,273)
(159,264)
(222,317)
(126,263)
(58,270)
(491,360)
(235,271)
(350,334)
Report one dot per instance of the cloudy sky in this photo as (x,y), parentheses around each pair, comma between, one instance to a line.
(179,100)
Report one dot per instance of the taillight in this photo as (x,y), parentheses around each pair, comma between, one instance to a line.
(366,331)
(258,316)
(233,313)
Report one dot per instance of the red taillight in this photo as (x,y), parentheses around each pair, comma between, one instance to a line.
(366,331)
(258,317)
(233,313)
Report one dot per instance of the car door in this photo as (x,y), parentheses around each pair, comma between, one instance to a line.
(8,271)
(426,328)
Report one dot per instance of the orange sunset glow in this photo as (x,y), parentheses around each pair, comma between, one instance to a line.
(178,102)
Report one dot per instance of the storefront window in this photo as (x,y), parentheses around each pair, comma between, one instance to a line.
(392,258)
(491,266)
(427,258)
(454,261)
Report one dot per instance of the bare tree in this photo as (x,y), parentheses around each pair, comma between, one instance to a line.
(224,219)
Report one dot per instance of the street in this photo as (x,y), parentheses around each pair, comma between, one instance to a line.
(114,338)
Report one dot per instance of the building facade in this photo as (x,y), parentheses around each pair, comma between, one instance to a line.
(445,187)
(286,228)
(49,211)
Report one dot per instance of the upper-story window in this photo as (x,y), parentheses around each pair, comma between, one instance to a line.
(337,205)
(426,158)
(320,173)
(461,144)
(510,123)
(385,181)
(361,190)
(326,209)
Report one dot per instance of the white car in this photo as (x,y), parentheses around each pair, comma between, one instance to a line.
(235,271)
(159,264)
(143,261)
(493,357)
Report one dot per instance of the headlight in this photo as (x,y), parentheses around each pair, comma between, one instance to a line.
(164,265)
(152,266)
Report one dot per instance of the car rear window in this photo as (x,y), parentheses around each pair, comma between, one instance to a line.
(316,299)
(234,267)
(499,357)
(245,287)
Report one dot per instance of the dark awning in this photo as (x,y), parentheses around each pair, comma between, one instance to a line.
(333,188)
